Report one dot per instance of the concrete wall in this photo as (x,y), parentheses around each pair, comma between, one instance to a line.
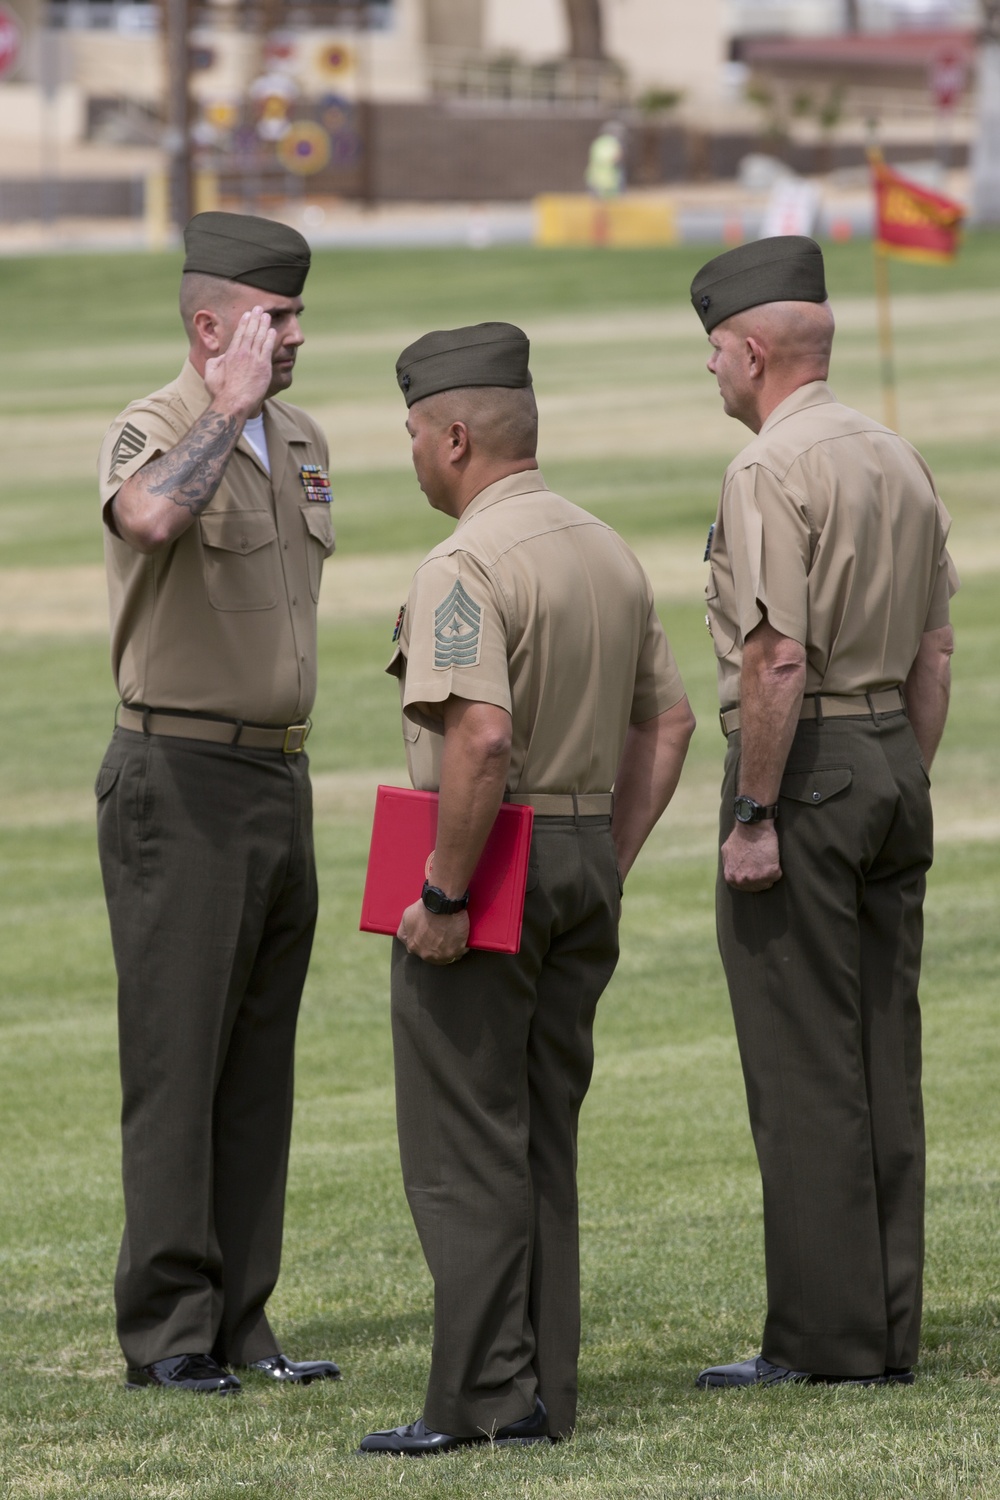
(429,153)
(455,23)
(26,115)
(673,44)
(107,65)
(661,43)
(87,198)
(385,64)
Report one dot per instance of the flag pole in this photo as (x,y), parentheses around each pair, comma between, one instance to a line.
(888,362)
(882,297)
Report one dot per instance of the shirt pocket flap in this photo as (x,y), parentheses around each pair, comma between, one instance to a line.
(815,786)
(240,531)
(106,778)
(319,525)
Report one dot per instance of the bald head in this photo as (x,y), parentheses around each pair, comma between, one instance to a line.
(502,423)
(762,354)
(796,337)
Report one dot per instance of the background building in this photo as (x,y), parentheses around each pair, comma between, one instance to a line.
(453,99)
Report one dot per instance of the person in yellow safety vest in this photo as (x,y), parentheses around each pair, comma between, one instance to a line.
(606,164)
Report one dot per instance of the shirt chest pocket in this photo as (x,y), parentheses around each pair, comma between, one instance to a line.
(240,559)
(320,542)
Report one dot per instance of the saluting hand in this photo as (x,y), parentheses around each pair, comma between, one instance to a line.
(239,379)
(750,857)
(437,940)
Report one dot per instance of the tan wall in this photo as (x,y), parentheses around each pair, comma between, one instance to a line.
(658,41)
(106,65)
(26,115)
(387,65)
(670,44)
(534,29)
(662,43)
(454,23)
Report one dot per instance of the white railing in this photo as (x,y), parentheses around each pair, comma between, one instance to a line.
(481,78)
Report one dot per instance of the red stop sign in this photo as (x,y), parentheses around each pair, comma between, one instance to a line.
(947,77)
(10,40)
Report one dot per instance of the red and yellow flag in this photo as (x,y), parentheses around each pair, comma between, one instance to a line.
(911,221)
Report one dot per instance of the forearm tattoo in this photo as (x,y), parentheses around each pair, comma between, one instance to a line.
(190,474)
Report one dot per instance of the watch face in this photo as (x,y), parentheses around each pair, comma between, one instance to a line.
(441,905)
(744,808)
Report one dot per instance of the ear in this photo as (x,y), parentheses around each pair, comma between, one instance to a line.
(755,358)
(207,326)
(457,442)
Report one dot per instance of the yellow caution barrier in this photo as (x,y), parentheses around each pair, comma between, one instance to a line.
(569,219)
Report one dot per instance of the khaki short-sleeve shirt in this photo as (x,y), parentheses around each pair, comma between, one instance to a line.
(222,621)
(829,525)
(537,607)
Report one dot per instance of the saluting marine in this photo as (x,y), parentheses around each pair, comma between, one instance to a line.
(216,506)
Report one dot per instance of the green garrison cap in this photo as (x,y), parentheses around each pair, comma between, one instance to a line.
(486,354)
(240,247)
(783,268)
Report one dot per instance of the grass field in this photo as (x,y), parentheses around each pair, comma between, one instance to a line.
(671,1222)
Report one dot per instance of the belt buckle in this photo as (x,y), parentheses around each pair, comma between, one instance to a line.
(290,747)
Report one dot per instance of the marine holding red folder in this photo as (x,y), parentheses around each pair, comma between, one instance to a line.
(532,670)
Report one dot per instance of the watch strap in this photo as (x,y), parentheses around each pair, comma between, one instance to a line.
(758,812)
(440,903)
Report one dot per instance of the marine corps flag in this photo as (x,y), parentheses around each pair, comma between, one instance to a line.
(910,221)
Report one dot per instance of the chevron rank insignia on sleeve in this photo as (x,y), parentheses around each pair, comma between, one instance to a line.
(130,443)
(457,622)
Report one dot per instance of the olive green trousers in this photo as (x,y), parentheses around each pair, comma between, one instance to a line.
(823,971)
(207,858)
(493,1057)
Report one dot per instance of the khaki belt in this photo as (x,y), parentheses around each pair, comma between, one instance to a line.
(290,740)
(819,706)
(566,804)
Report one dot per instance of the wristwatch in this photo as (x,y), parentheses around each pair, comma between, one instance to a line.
(746,810)
(441,905)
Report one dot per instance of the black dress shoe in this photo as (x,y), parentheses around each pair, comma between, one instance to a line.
(416,1439)
(291,1372)
(760,1371)
(184,1372)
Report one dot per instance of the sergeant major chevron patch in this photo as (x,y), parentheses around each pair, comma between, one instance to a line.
(130,442)
(457,622)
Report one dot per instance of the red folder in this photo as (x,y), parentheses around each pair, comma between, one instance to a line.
(403,837)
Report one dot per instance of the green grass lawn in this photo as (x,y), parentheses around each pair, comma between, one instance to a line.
(671,1221)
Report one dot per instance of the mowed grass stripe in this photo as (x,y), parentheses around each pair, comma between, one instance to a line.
(670,1200)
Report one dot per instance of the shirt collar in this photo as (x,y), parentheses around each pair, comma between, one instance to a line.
(815,393)
(194,394)
(526,482)
(193,391)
